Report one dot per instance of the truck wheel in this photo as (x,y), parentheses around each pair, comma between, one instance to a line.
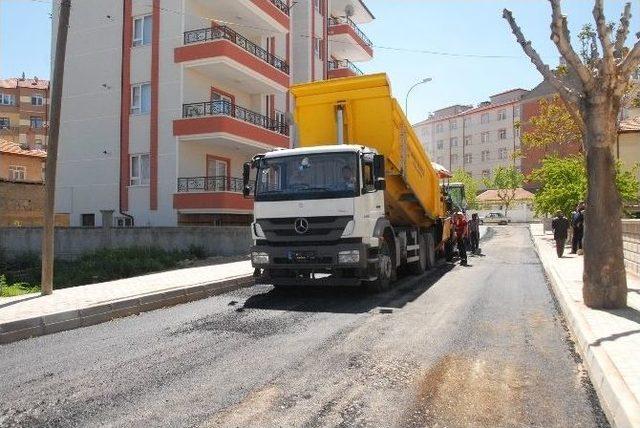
(384,268)
(418,267)
(431,250)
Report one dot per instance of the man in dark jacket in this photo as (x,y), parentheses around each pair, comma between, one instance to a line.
(577,224)
(560,226)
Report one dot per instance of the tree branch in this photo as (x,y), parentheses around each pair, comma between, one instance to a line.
(560,36)
(570,96)
(608,59)
(623,31)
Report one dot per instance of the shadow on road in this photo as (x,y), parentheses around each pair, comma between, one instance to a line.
(346,299)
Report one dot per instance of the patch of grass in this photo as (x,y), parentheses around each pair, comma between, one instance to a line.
(23,271)
(17,289)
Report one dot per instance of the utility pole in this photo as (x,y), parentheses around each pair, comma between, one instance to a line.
(52,152)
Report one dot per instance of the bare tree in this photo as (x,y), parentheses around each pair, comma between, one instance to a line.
(594,100)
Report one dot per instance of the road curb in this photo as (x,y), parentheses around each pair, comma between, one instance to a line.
(68,320)
(617,400)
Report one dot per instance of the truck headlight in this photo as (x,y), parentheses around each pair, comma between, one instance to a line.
(257,230)
(349,257)
(348,230)
(260,258)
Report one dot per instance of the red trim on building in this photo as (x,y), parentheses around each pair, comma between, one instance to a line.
(229,125)
(346,29)
(271,10)
(155,95)
(340,72)
(226,48)
(313,41)
(325,44)
(125,103)
(211,200)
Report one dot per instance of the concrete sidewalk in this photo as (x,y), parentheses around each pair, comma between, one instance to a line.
(34,315)
(608,340)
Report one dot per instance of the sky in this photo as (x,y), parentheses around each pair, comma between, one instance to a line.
(471,32)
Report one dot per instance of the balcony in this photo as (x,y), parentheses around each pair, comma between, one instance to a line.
(9,130)
(225,119)
(347,41)
(343,68)
(223,54)
(211,194)
(261,17)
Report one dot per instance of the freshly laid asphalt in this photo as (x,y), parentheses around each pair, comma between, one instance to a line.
(477,346)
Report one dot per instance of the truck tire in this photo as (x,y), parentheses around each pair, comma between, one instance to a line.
(420,266)
(431,250)
(384,269)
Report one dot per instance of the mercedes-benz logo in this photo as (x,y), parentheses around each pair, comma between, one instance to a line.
(301,226)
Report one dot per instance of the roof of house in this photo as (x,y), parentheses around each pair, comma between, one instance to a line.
(630,125)
(13,83)
(492,195)
(15,149)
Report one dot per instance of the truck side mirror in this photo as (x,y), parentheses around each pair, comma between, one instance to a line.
(379,173)
(246,176)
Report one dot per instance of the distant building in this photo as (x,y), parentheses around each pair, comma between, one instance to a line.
(24,105)
(19,164)
(627,148)
(478,139)
(520,210)
(532,157)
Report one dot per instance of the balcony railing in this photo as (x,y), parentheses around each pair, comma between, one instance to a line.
(341,20)
(226,33)
(226,108)
(210,184)
(281,5)
(9,129)
(338,64)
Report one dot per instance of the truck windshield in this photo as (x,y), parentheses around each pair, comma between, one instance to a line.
(311,176)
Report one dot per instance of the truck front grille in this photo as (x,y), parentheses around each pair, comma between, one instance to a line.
(320,229)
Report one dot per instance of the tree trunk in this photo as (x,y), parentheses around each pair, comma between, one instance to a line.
(605,281)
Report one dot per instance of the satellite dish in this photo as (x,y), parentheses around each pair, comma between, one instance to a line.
(349,10)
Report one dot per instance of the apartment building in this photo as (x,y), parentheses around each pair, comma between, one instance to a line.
(327,39)
(23,111)
(164,100)
(476,140)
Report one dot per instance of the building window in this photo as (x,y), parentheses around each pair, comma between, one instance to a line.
(516,132)
(453,124)
(486,173)
(468,140)
(454,158)
(7,99)
(88,220)
(5,123)
(317,48)
(439,127)
(142,29)
(502,114)
(484,118)
(36,122)
(467,121)
(468,158)
(440,144)
(502,134)
(316,5)
(141,98)
(37,100)
(123,222)
(485,155)
(516,111)
(17,172)
(454,142)
(484,137)
(140,172)
(503,154)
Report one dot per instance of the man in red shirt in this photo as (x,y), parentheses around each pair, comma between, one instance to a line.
(461,229)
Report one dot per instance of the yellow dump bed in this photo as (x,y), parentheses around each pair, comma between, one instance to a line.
(372,118)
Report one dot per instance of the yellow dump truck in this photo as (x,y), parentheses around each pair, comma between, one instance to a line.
(354,200)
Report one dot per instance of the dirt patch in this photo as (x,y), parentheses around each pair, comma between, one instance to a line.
(468,392)
(252,411)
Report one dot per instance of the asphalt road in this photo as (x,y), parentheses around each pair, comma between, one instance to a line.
(476,346)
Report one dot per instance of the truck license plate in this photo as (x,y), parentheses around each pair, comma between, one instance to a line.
(302,256)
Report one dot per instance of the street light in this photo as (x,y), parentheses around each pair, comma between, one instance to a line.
(406,102)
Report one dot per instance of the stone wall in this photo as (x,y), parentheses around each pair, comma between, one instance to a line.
(631,237)
(75,241)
